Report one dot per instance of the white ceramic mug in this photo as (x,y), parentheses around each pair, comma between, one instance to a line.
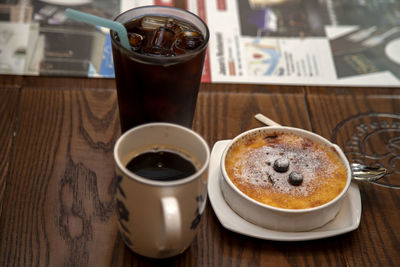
(159,219)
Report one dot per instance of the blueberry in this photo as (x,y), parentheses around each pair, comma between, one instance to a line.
(281,165)
(295,178)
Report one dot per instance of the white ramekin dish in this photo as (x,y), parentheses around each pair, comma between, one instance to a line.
(279,218)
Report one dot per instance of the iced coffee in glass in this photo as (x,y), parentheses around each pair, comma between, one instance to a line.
(158,78)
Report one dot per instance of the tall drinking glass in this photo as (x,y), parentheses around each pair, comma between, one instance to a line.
(159,77)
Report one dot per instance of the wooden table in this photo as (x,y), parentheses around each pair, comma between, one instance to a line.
(57,174)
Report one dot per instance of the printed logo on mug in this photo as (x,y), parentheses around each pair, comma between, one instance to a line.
(162,187)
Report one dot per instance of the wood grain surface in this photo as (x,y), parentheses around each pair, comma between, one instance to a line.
(373,117)
(59,206)
(57,174)
(8,118)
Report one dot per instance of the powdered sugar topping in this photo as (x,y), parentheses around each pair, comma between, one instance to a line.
(255,167)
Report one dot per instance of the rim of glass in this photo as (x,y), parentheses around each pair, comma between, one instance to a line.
(153,58)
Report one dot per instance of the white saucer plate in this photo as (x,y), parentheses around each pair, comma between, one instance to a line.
(348,218)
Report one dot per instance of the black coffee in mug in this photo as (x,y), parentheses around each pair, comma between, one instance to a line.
(161,165)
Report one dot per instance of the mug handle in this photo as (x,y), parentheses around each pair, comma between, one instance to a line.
(172,223)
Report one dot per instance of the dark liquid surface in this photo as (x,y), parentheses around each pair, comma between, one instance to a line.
(161,166)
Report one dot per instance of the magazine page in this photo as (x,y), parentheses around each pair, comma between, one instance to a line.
(312,42)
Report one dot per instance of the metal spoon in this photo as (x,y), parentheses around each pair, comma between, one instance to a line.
(360,172)
(366,173)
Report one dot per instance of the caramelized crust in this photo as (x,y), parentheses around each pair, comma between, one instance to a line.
(249,165)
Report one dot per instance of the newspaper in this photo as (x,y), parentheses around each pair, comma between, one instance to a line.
(302,42)
(311,42)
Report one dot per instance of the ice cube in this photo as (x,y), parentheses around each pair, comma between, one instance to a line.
(164,38)
(153,22)
(162,43)
(177,26)
(189,40)
(135,40)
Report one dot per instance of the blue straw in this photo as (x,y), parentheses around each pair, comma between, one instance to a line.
(98,21)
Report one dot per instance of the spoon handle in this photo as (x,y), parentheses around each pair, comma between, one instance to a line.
(267,121)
